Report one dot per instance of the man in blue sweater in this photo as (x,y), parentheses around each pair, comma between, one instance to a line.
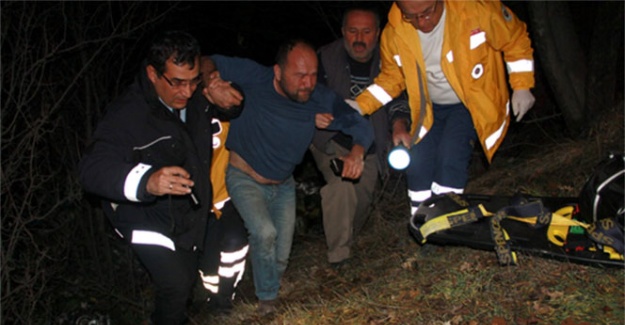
(268,140)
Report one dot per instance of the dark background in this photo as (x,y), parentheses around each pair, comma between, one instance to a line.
(255,29)
(63,62)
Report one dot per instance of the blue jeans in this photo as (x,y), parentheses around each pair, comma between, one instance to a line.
(269,215)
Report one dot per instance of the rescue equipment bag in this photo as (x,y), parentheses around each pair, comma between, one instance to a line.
(603,194)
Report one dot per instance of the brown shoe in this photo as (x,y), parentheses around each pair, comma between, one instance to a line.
(266,307)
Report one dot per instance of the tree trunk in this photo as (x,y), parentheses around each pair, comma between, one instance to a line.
(564,64)
(605,46)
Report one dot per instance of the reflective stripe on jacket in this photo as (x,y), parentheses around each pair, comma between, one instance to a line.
(476,34)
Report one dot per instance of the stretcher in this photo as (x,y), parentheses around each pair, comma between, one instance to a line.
(543,226)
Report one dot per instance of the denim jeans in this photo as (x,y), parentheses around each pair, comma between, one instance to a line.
(269,215)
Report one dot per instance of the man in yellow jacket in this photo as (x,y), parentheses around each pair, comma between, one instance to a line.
(449,56)
(223,264)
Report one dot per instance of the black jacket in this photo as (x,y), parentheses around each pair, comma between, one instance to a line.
(138,130)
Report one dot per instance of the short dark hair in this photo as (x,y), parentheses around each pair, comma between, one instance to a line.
(365,9)
(182,46)
(287,47)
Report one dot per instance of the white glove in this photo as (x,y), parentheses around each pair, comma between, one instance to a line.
(522,101)
(354,105)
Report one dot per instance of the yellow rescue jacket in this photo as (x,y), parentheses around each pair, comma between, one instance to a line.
(475,36)
(219,164)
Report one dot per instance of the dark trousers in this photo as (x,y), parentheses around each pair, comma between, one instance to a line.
(225,252)
(440,162)
(173,274)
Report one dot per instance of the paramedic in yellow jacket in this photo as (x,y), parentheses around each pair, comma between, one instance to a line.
(449,56)
(226,233)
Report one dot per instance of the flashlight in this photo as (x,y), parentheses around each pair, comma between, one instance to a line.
(399,157)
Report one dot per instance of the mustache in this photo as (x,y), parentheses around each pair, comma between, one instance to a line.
(359,43)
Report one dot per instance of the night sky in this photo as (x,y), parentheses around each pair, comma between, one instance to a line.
(254,29)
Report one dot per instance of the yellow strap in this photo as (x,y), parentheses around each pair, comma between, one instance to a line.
(561,221)
(562,217)
(614,255)
(442,222)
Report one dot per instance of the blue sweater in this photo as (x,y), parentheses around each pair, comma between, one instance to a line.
(273,132)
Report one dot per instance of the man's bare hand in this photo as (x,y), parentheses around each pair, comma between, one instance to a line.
(400,133)
(323,120)
(172,180)
(352,166)
(353,162)
(220,92)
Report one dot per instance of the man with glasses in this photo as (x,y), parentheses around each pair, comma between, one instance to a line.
(449,56)
(149,161)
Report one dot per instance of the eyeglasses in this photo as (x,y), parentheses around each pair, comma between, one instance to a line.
(177,83)
(425,15)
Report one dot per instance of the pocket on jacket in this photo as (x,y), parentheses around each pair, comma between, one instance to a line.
(161,152)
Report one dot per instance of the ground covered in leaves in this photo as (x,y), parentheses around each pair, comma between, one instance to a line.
(393,280)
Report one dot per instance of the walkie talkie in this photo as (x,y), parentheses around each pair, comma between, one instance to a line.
(336,165)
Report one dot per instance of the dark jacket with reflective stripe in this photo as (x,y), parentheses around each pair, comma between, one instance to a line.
(138,129)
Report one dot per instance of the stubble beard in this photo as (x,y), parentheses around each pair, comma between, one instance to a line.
(294,96)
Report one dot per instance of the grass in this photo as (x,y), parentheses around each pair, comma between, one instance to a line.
(393,280)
